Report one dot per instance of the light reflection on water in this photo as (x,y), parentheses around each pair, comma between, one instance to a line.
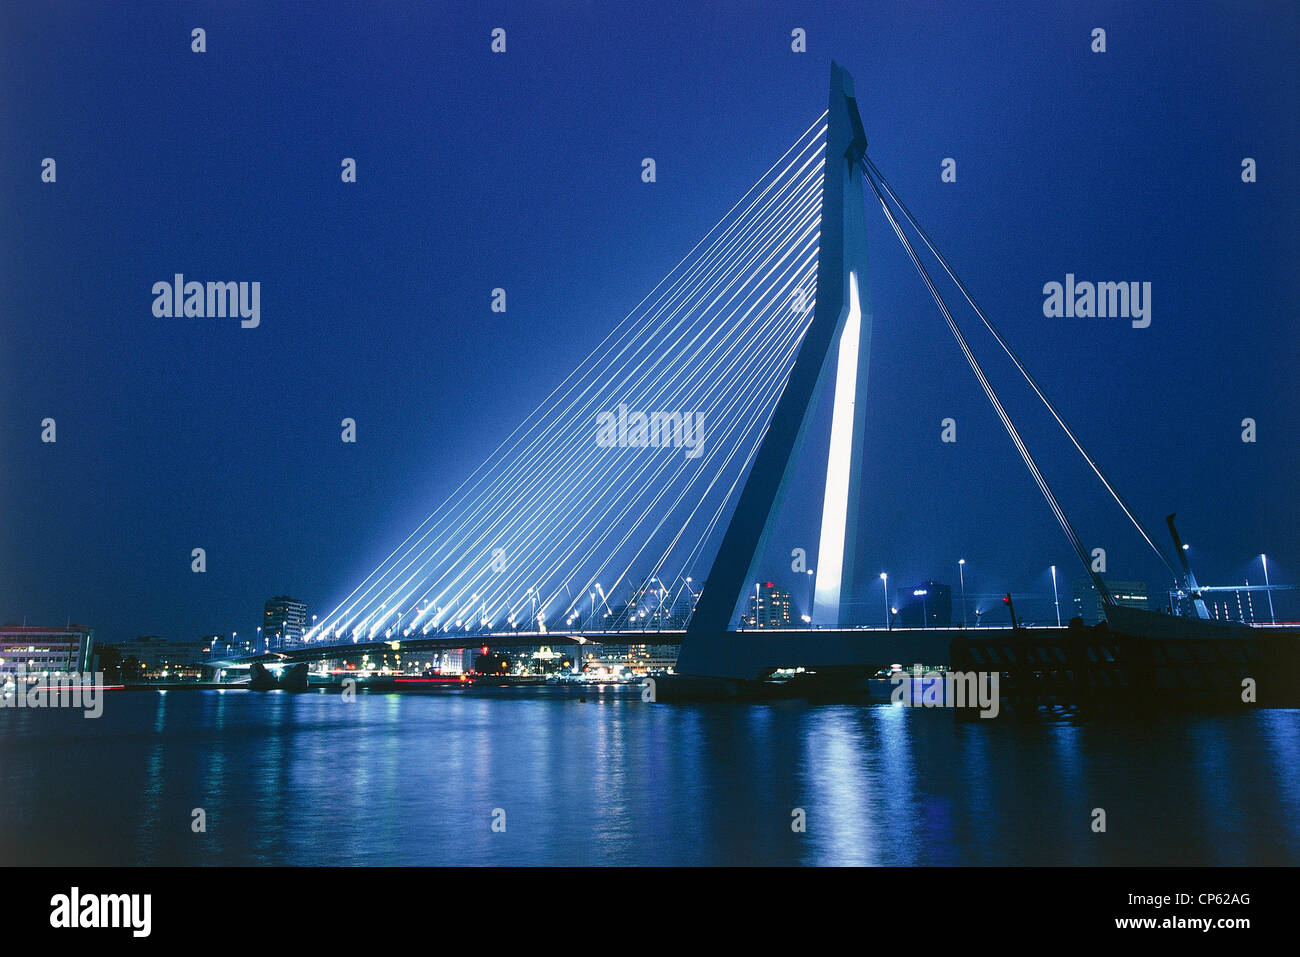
(312,779)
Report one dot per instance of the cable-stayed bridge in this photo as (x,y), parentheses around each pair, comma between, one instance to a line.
(626,470)
(634,502)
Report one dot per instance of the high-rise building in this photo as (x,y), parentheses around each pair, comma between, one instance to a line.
(34,650)
(1088,605)
(284,622)
(769,607)
(927,605)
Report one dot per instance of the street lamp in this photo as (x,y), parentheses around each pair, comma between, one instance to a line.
(884,578)
(961,570)
(1271,616)
(1056,598)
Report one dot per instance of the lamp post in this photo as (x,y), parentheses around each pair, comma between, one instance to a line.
(1271,617)
(961,571)
(884,578)
(1056,598)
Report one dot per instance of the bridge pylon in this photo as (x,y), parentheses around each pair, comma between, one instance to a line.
(834,355)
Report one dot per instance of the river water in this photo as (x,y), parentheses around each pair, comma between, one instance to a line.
(538,776)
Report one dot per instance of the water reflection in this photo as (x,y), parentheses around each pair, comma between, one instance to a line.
(313,779)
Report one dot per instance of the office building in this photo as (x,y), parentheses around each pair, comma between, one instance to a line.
(152,658)
(36,650)
(769,607)
(284,622)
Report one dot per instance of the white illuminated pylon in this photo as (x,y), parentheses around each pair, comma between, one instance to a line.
(835,504)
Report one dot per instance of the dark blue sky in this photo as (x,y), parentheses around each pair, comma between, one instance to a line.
(522,171)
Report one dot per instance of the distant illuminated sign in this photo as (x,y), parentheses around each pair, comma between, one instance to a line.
(920,591)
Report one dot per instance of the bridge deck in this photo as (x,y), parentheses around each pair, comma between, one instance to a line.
(862,645)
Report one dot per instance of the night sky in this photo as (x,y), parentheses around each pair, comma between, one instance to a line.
(522,170)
